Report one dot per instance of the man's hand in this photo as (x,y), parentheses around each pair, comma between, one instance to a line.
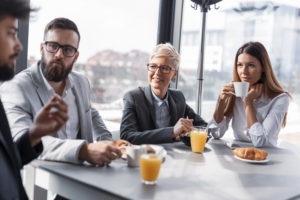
(182,126)
(99,153)
(49,119)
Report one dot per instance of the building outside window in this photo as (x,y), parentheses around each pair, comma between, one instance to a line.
(116,40)
(273,23)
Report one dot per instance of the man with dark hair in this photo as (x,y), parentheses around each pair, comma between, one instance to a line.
(31,88)
(50,118)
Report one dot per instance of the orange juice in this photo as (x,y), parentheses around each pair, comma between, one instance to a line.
(149,167)
(198,140)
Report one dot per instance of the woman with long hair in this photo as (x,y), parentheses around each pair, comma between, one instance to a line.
(258,117)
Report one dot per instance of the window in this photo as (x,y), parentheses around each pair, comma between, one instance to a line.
(116,40)
(273,23)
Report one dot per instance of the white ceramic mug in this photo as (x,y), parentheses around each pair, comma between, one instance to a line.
(241,89)
(133,154)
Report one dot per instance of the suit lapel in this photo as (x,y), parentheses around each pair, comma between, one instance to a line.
(5,135)
(76,89)
(173,110)
(4,142)
(39,83)
(149,98)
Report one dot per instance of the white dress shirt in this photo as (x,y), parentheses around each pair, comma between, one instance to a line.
(269,115)
(71,128)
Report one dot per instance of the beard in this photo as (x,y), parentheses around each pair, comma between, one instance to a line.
(6,73)
(55,73)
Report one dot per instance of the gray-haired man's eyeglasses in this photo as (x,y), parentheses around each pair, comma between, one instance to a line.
(164,68)
(53,47)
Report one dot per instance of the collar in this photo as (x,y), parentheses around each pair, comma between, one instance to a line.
(158,101)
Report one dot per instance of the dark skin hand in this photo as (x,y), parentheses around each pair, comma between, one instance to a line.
(49,120)
(99,153)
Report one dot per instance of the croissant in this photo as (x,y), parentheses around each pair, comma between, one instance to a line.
(124,143)
(250,153)
(121,143)
(150,149)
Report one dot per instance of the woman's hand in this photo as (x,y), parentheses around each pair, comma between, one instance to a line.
(227,91)
(254,92)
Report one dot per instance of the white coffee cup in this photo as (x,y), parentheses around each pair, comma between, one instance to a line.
(241,89)
(133,154)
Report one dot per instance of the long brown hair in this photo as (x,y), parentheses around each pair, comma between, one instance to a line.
(271,85)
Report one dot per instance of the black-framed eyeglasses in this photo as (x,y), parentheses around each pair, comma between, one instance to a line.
(163,68)
(53,47)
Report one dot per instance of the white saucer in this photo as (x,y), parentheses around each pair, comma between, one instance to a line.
(252,161)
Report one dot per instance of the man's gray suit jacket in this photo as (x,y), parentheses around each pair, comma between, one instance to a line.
(26,94)
(138,120)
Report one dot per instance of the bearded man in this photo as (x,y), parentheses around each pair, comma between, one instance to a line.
(26,94)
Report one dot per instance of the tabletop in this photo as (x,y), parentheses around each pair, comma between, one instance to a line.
(213,174)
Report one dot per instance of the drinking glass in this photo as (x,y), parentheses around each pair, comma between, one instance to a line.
(198,138)
(149,168)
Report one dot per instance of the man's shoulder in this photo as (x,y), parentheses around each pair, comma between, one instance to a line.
(76,76)
(22,79)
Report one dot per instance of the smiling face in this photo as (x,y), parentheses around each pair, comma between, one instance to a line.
(249,68)
(10,47)
(56,66)
(160,81)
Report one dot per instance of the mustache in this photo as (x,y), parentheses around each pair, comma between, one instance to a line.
(57,61)
(13,56)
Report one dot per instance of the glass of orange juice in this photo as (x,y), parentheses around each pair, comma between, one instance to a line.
(198,139)
(149,168)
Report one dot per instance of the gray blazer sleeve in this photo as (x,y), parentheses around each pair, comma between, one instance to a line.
(136,125)
(190,113)
(100,131)
(20,114)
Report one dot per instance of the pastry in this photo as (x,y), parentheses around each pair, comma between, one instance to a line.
(250,153)
(122,143)
(150,149)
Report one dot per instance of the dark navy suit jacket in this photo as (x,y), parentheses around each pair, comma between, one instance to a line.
(13,155)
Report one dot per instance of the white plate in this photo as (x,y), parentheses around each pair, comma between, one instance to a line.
(252,161)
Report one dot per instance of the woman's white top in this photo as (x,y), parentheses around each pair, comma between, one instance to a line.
(269,115)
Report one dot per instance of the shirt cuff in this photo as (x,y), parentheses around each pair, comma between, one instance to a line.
(28,152)
(77,151)
(221,126)
(256,129)
(213,121)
